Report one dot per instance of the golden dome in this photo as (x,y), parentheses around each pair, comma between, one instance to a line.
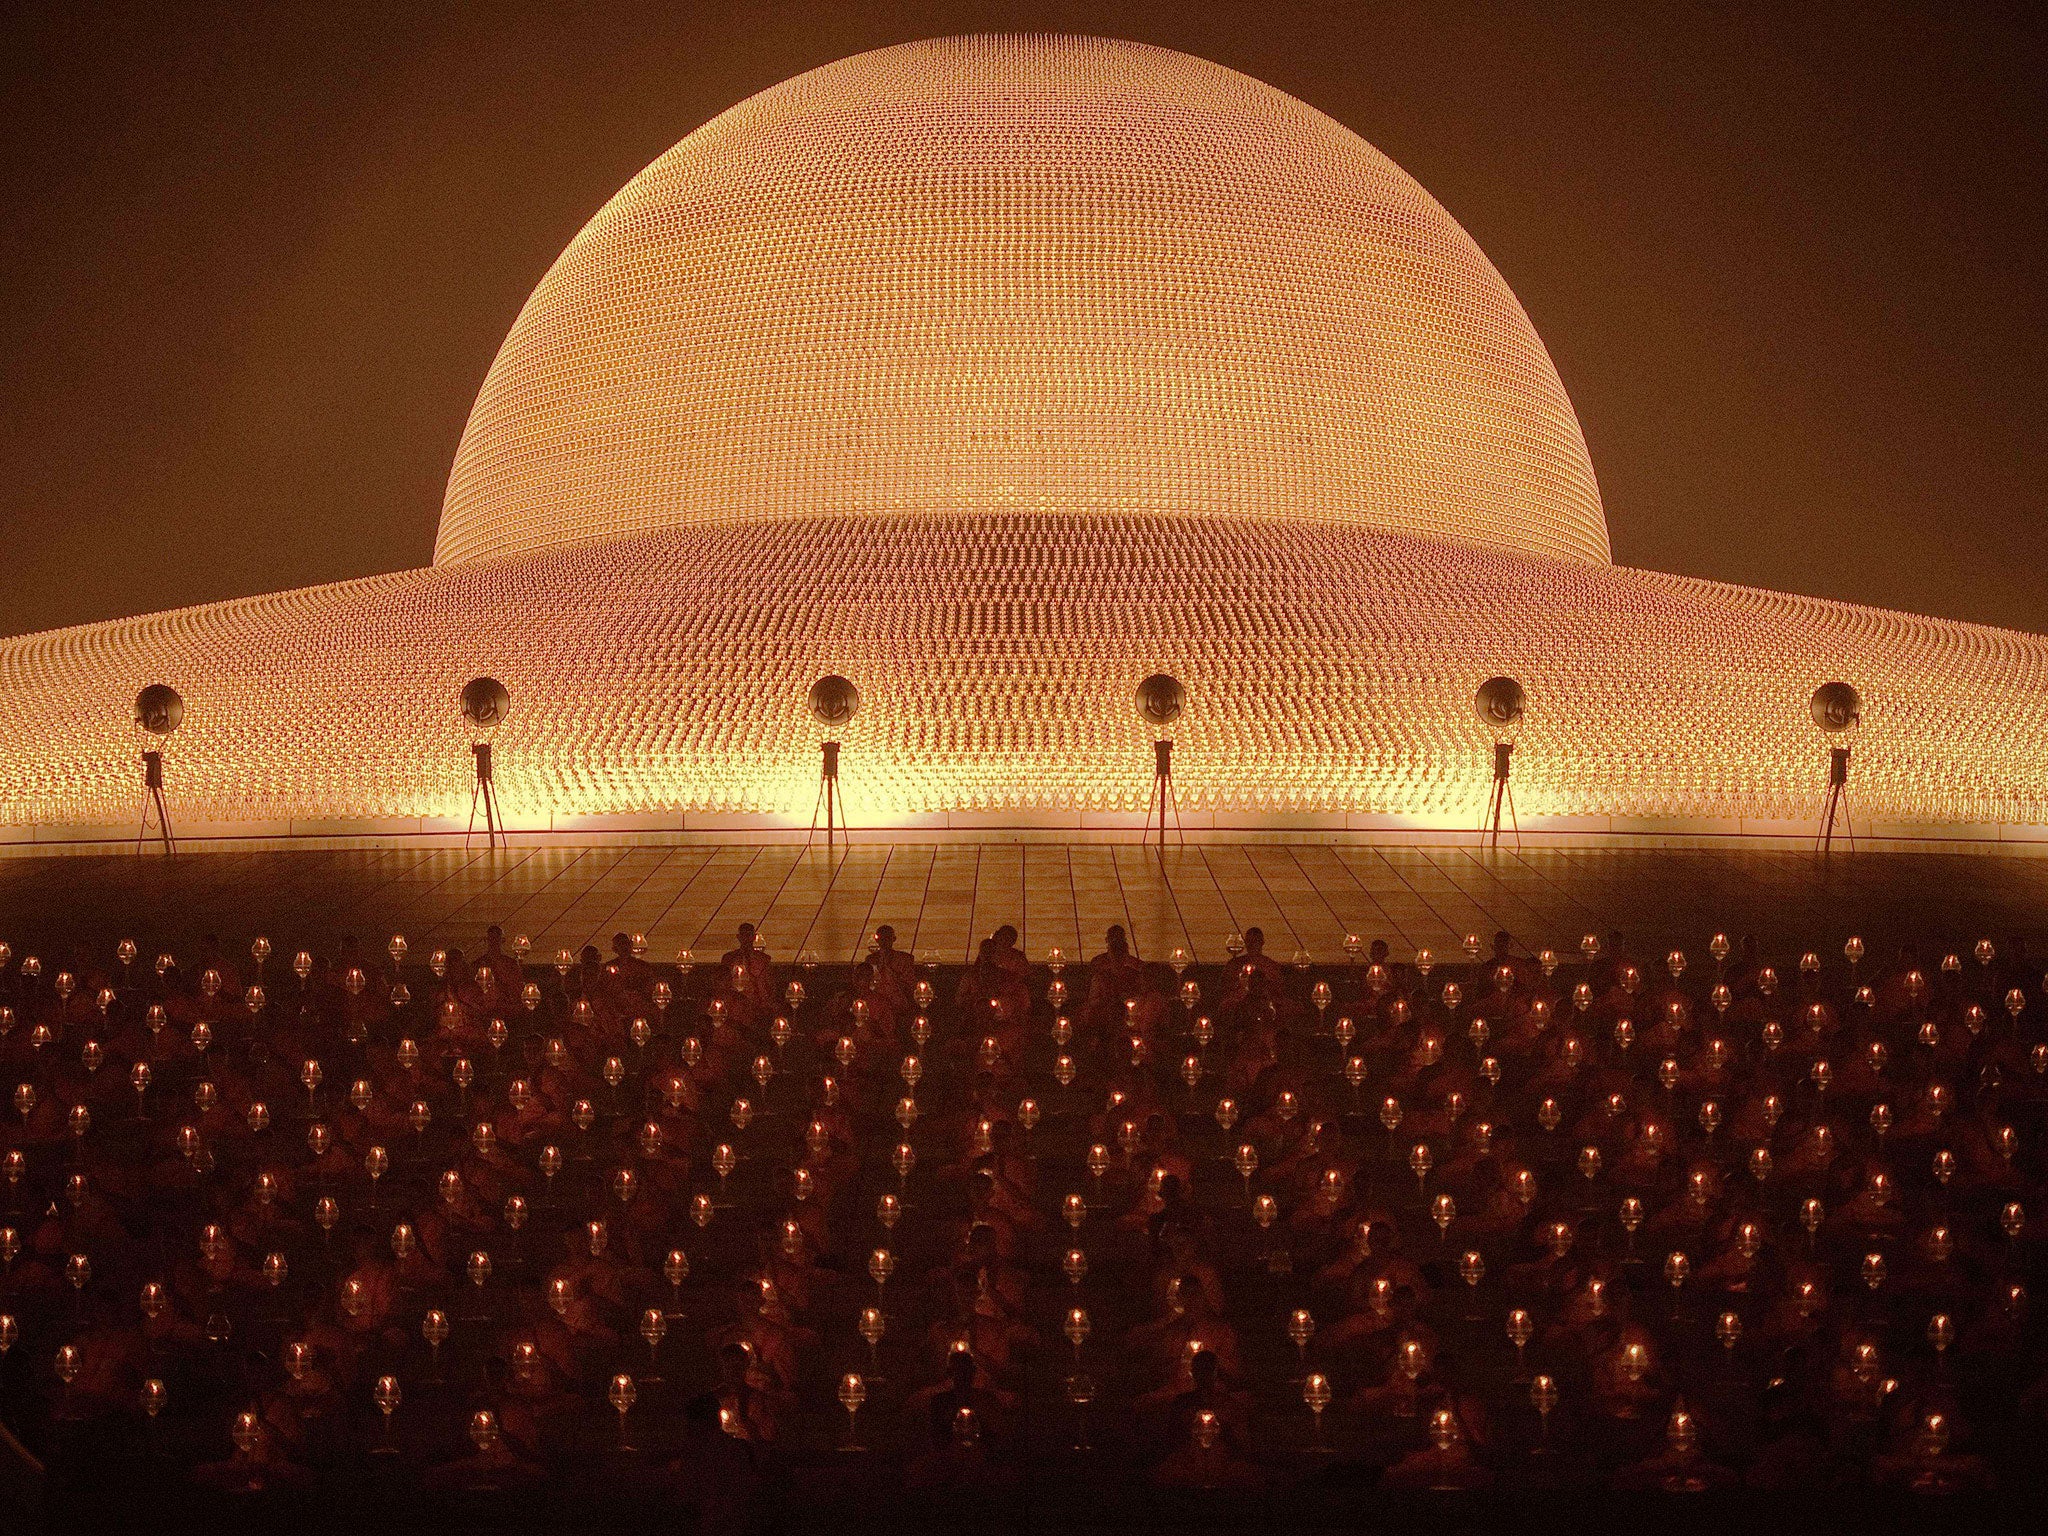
(995,375)
(1002,275)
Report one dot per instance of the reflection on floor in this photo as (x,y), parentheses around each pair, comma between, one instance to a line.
(942,898)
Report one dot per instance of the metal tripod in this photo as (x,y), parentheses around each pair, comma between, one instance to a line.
(1162,793)
(829,800)
(153,803)
(486,791)
(1503,792)
(1838,802)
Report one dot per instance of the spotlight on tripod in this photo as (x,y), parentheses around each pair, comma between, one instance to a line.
(1500,704)
(485,704)
(1838,710)
(1159,699)
(834,701)
(159,710)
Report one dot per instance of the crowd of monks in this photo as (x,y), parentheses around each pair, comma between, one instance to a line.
(731,1234)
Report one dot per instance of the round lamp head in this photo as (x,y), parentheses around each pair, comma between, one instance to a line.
(1500,704)
(485,703)
(1837,707)
(159,709)
(834,700)
(1159,699)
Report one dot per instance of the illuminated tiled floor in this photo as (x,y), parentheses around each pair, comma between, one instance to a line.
(942,898)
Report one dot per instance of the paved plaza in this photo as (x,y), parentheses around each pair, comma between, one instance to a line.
(942,897)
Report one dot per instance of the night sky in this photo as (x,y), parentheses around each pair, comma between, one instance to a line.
(1789,259)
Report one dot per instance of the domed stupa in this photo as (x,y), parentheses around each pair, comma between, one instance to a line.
(1015,276)
(995,374)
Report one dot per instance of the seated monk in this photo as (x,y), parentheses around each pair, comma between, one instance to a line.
(963,1386)
(1228,1411)
(1203,1460)
(893,968)
(1161,1353)
(980,1323)
(632,978)
(1253,963)
(495,1463)
(716,1469)
(1006,954)
(1121,999)
(751,1407)
(746,980)
(960,1463)
(1446,1465)
(991,990)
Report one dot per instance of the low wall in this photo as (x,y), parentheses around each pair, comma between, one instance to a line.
(965,827)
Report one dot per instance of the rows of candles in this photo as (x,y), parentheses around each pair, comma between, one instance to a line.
(1491,1214)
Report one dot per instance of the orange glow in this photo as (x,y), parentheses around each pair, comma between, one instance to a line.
(1327,670)
(996,374)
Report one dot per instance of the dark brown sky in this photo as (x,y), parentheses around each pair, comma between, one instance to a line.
(1789,259)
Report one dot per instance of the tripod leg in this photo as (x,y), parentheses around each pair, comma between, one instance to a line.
(163,820)
(490,813)
(1509,789)
(475,789)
